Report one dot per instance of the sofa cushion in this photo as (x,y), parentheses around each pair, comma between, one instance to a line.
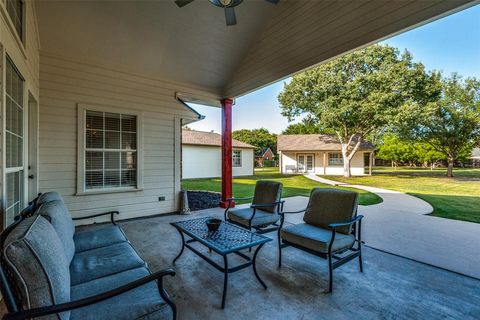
(267,192)
(97,236)
(34,254)
(243,215)
(47,197)
(57,213)
(143,302)
(315,238)
(104,261)
(327,206)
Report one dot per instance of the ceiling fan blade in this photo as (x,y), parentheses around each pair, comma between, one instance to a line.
(182,3)
(273,1)
(230,17)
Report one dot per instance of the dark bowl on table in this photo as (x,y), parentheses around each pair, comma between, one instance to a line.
(213,224)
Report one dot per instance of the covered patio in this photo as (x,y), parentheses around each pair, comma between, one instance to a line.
(390,287)
(94,95)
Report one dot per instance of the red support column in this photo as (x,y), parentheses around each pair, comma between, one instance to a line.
(226,152)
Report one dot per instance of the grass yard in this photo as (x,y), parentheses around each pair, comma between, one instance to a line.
(293,185)
(454,198)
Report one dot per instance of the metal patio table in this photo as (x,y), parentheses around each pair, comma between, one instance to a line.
(228,239)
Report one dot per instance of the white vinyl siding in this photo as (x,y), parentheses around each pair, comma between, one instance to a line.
(65,86)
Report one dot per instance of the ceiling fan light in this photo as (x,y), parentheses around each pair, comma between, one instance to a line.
(225,3)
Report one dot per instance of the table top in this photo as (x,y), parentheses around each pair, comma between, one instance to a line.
(228,238)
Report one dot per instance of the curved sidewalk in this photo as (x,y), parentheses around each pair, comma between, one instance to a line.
(401,225)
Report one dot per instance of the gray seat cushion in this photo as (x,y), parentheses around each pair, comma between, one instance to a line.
(141,303)
(327,206)
(104,261)
(97,236)
(242,216)
(49,196)
(315,238)
(58,215)
(35,255)
(267,192)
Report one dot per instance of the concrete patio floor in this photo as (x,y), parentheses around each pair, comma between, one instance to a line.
(391,287)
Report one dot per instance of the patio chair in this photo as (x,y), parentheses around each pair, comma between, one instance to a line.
(263,213)
(331,229)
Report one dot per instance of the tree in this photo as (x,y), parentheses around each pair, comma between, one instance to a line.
(260,138)
(307,126)
(358,94)
(450,125)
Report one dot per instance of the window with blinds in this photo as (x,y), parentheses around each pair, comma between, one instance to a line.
(15,11)
(335,159)
(236,158)
(110,150)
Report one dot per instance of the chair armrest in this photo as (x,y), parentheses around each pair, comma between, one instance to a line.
(293,212)
(266,205)
(346,223)
(244,198)
(111,213)
(43,311)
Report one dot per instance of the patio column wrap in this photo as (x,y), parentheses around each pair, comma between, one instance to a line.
(226,152)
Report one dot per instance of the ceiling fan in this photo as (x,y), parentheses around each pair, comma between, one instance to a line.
(228,5)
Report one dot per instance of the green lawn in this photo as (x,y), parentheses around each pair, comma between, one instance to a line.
(293,185)
(454,198)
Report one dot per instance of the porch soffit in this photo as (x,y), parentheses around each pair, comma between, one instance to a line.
(192,46)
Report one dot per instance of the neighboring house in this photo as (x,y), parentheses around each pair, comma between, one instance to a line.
(202,155)
(320,154)
(266,154)
(475,157)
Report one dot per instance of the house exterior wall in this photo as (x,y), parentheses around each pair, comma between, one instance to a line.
(25,57)
(206,162)
(65,85)
(289,160)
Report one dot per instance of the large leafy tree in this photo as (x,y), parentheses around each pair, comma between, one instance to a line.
(450,125)
(359,94)
(260,138)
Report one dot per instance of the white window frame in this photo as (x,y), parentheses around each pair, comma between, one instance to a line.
(239,157)
(335,164)
(81,135)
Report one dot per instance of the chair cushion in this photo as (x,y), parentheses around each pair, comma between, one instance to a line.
(141,303)
(315,238)
(35,255)
(267,192)
(242,216)
(97,237)
(327,206)
(104,261)
(57,213)
(47,197)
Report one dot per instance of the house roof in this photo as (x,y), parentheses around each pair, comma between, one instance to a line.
(202,138)
(314,142)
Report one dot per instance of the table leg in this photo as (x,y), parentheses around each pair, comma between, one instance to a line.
(225,280)
(255,268)
(183,247)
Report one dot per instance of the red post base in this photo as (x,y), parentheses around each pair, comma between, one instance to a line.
(224,204)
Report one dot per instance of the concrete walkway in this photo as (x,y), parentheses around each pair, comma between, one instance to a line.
(401,225)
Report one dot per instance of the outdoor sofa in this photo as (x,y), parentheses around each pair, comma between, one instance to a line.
(48,268)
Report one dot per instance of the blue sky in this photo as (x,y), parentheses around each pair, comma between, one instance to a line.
(451,44)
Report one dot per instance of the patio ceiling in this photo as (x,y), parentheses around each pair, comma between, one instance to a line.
(192,45)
